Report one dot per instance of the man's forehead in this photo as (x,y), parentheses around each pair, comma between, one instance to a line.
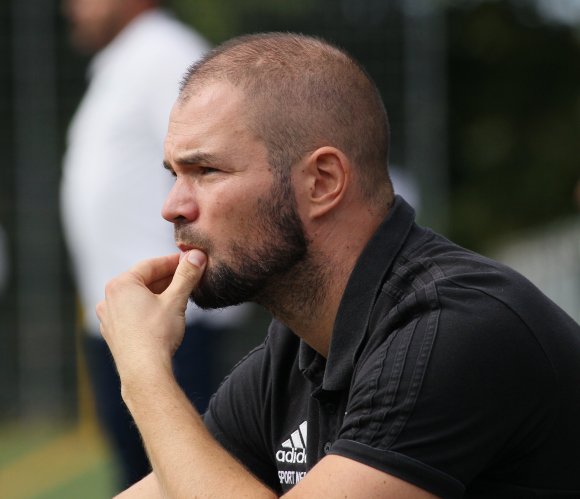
(213,107)
(210,93)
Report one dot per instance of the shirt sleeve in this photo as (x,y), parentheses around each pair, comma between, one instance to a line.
(449,382)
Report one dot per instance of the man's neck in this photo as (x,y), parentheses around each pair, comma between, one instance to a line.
(300,299)
(307,298)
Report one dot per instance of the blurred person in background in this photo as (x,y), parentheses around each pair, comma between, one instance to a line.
(113,189)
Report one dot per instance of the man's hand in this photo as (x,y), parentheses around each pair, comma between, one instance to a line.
(143,314)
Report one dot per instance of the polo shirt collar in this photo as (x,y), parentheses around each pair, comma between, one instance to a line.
(359,297)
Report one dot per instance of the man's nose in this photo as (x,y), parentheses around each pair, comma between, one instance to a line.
(180,204)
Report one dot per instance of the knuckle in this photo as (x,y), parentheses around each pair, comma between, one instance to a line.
(114,285)
(110,288)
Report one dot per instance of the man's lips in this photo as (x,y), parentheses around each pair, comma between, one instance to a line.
(184,248)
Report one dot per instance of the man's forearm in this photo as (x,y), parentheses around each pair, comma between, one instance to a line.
(186,459)
(143,320)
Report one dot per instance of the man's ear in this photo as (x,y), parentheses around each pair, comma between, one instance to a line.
(326,177)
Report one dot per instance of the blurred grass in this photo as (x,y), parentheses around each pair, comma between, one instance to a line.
(58,461)
(48,463)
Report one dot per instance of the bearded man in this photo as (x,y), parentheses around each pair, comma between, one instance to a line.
(398,364)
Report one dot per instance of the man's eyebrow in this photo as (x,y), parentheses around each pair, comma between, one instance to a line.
(193,158)
(196,158)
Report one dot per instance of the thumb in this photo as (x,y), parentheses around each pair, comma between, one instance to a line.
(187,275)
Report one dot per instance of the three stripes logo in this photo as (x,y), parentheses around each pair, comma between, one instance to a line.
(294,449)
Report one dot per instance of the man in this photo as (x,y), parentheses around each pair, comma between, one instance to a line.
(398,364)
(113,189)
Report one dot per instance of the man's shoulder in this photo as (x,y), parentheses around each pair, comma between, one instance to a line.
(463,298)
(431,262)
(458,301)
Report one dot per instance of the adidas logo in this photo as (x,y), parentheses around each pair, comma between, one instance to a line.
(294,449)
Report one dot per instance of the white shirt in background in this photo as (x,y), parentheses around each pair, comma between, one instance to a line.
(113,184)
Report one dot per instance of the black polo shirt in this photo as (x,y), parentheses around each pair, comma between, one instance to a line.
(446,369)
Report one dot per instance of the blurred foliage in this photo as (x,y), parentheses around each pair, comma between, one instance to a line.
(226,18)
(514,122)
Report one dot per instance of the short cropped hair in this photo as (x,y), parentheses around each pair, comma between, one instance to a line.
(303,93)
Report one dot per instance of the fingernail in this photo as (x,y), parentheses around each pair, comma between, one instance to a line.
(196,258)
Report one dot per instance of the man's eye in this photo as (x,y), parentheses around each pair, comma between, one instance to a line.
(205,170)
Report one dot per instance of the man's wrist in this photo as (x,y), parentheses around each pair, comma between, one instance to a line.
(140,380)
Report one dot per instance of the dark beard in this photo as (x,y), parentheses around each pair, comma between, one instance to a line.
(253,270)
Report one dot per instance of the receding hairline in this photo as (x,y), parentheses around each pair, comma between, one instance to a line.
(304,93)
(262,48)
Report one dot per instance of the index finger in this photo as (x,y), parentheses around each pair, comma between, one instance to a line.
(155,269)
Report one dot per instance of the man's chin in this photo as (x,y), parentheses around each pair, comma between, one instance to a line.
(220,287)
(202,302)
(207,301)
